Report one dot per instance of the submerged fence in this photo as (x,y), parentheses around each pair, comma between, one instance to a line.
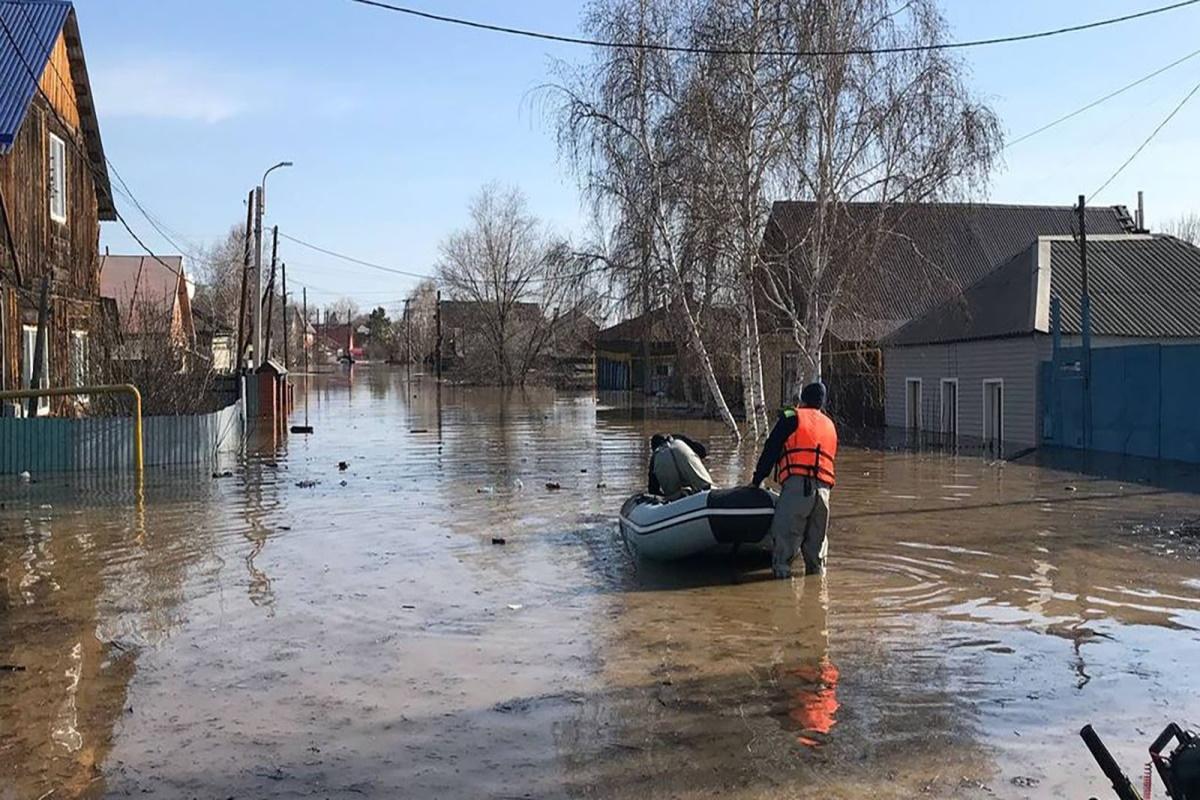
(1143,401)
(51,444)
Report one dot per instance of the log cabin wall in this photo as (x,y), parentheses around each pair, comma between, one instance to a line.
(32,245)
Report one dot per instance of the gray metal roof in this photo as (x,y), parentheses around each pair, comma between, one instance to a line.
(930,251)
(1141,287)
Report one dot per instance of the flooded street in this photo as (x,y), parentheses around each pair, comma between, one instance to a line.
(294,630)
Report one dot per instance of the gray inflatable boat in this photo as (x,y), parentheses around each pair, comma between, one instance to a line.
(711,520)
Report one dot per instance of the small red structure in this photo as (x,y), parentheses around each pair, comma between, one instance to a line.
(272,393)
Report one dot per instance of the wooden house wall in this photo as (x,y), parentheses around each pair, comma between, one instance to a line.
(32,245)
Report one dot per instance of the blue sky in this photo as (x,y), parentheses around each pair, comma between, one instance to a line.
(394,123)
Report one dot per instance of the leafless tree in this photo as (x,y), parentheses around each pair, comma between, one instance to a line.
(418,332)
(516,275)
(219,279)
(870,127)
(616,120)
(343,311)
(1185,227)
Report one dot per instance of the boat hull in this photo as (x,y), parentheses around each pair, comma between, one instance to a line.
(699,523)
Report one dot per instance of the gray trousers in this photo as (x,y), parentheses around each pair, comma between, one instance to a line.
(799,526)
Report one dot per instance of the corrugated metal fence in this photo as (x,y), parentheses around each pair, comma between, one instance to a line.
(1143,401)
(106,443)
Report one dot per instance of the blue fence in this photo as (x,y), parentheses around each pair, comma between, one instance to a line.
(49,444)
(1145,401)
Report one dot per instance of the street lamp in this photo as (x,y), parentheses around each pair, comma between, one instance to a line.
(256,282)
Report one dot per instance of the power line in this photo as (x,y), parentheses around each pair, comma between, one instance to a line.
(1149,138)
(354,260)
(83,155)
(736,51)
(1103,99)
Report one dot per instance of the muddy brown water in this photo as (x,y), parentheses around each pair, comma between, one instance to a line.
(299,631)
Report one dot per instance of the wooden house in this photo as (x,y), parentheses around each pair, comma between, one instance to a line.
(54,191)
(152,299)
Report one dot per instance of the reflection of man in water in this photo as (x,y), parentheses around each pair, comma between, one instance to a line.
(676,468)
(805,673)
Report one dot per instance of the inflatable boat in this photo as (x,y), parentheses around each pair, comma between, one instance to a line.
(716,519)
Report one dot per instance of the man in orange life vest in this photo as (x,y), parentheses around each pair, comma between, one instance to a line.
(801,448)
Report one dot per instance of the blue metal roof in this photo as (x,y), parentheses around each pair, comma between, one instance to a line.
(28,31)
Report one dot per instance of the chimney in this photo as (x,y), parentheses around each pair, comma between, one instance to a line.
(1141,214)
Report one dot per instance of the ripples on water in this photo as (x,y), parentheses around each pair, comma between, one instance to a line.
(294,629)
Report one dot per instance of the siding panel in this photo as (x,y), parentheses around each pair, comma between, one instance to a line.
(1013,360)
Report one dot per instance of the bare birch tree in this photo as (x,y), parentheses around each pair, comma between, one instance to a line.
(1185,227)
(873,127)
(615,122)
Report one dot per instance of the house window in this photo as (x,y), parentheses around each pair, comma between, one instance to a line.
(993,415)
(79,358)
(912,404)
(949,409)
(58,179)
(28,345)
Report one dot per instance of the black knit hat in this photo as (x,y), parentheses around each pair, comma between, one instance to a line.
(813,396)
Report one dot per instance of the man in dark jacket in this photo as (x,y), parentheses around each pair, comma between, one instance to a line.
(676,466)
(801,448)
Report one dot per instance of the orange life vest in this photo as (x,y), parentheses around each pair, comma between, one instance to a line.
(810,451)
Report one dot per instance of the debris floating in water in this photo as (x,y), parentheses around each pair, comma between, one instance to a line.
(515,606)
(499,540)
(306,484)
(25,476)
(553,486)
(485,490)
(518,484)
(343,466)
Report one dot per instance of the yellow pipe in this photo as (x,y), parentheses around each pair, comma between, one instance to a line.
(120,388)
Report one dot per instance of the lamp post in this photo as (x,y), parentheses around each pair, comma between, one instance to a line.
(256,282)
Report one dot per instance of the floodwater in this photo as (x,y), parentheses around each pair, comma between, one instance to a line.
(294,630)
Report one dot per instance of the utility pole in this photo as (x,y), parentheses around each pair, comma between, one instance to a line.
(256,330)
(1085,312)
(438,318)
(269,298)
(407,342)
(304,339)
(39,344)
(286,331)
(241,327)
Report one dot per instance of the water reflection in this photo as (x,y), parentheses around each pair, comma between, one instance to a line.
(297,627)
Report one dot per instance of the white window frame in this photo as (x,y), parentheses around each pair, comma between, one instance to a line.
(27,346)
(909,418)
(983,431)
(79,360)
(57,179)
(942,405)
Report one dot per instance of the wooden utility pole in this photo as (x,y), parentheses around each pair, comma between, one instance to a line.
(1085,313)
(256,329)
(438,321)
(241,326)
(269,298)
(407,342)
(39,344)
(286,331)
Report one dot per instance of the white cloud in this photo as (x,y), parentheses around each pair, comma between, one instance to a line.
(156,88)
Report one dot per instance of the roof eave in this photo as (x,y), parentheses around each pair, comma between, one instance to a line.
(88,119)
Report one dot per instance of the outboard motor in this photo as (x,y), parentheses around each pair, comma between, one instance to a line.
(1180,770)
